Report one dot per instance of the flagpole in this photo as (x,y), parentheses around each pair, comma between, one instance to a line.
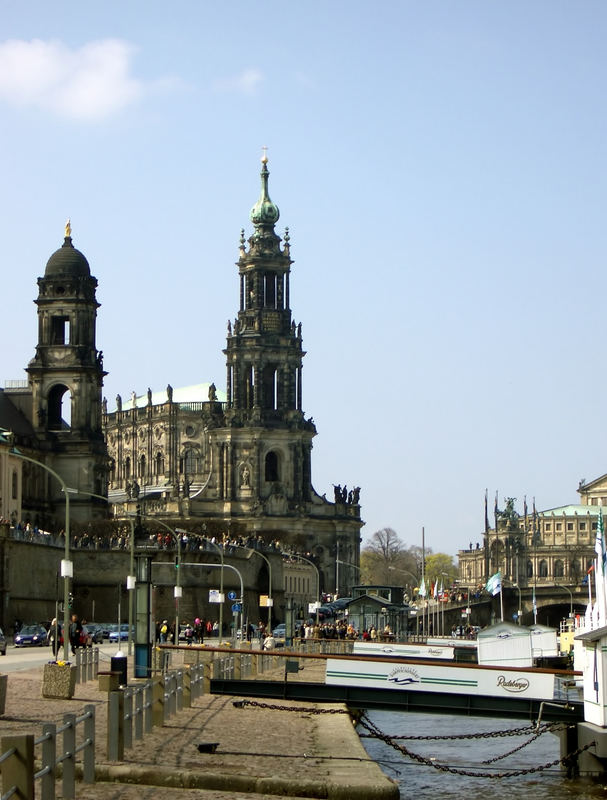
(501,601)
(424,584)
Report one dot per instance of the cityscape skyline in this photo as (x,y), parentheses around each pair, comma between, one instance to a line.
(442,175)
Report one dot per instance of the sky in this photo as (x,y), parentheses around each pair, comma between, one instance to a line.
(441,168)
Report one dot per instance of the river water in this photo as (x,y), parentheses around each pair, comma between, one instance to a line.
(420,781)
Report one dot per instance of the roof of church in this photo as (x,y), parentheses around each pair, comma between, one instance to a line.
(197,393)
(12,419)
(67,261)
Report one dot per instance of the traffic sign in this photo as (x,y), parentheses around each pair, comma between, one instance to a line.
(232,595)
(236,607)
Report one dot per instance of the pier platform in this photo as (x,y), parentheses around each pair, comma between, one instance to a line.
(262,754)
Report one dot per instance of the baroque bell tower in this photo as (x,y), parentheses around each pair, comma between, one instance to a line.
(66,377)
(264,371)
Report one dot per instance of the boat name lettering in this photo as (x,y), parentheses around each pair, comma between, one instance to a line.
(513,684)
(435,651)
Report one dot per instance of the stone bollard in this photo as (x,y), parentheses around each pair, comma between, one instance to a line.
(18,769)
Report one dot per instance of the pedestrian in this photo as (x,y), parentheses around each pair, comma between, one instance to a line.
(75,631)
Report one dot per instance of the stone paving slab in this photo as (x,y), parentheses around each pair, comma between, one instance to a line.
(261,754)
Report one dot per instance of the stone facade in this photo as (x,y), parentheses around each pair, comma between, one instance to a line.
(238,463)
(55,417)
(538,548)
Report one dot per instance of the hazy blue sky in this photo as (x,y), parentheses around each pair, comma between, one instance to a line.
(441,167)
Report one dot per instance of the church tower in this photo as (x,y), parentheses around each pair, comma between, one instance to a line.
(66,378)
(264,372)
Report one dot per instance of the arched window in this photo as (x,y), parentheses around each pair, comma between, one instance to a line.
(270,387)
(530,569)
(59,413)
(15,485)
(559,569)
(271,471)
(142,466)
(127,467)
(159,464)
(543,569)
(575,570)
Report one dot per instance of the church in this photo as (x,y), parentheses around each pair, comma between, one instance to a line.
(234,464)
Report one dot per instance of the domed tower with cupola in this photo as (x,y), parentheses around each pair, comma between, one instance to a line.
(264,367)
(66,376)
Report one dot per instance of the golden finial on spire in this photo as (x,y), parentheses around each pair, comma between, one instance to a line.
(68,229)
(264,158)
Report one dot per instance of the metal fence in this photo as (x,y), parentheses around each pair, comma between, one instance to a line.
(18,758)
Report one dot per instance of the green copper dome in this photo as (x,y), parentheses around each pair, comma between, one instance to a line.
(264,212)
(67,261)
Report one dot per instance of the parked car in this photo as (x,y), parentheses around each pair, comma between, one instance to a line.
(280,631)
(95,632)
(2,643)
(89,635)
(31,636)
(119,635)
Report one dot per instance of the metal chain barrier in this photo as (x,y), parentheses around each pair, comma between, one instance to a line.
(527,729)
(306,709)
(378,734)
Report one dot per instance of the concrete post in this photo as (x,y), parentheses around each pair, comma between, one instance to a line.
(186,697)
(115,726)
(158,701)
(18,770)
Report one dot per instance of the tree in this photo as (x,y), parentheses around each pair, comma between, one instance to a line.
(387,560)
(440,567)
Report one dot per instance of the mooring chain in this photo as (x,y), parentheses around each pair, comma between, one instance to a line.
(305,709)
(457,771)
(516,749)
(528,729)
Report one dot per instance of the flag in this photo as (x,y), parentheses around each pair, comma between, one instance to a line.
(494,584)
(421,592)
(599,544)
(534,603)
(435,590)
(599,573)
(525,512)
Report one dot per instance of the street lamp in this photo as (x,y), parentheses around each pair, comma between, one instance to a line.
(178,590)
(221,555)
(302,558)
(567,589)
(67,567)
(270,601)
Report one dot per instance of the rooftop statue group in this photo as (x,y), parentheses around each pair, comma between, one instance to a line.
(342,495)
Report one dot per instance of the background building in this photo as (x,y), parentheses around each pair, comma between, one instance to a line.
(538,548)
(238,465)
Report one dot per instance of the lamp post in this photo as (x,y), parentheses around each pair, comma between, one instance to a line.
(270,601)
(67,567)
(216,566)
(302,558)
(221,555)
(407,572)
(130,581)
(338,561)
(177,591)
(567,589)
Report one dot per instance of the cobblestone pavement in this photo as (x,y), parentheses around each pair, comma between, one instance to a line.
(261,753)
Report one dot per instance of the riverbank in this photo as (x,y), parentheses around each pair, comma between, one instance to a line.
(263,751)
